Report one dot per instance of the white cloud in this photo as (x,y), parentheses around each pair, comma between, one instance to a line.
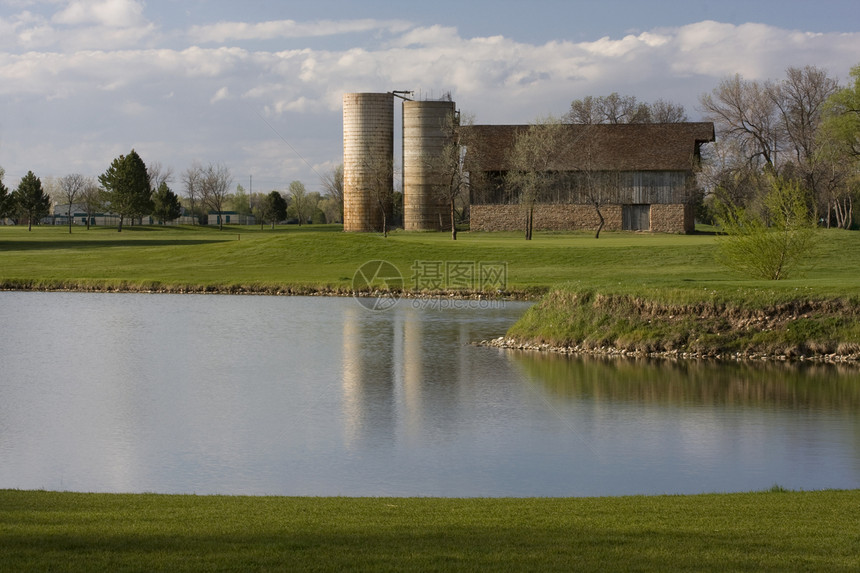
(128,91)
(109,13)
(221,94)
(226,31)
(78,25)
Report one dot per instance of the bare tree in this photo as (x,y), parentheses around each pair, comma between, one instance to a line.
(616,108)
(800,99)
(332,183)
(597,188)
(624,109)
(71,186)
(192,180)
(663,111)
(456,170)
(159,174)
(92,200)
(379,176)
(530,161)
(215,183)
(745,112)
(584,111)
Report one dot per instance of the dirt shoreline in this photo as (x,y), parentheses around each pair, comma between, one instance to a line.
(295,290)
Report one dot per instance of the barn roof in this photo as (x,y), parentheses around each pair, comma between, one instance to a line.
(604,147)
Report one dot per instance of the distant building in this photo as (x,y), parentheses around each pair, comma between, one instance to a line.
(644,175)
(99,219)
(79,217)
(231,218)
(645,171)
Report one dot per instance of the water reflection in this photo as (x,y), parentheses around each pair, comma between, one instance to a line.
(707,426)
(317,396)
(781,385)
(368,374)
(403,368)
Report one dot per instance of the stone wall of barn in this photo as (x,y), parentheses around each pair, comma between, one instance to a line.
(673,218)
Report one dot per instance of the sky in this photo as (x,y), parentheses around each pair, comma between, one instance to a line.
(258,85)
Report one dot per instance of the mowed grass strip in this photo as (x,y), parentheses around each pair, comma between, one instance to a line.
(676,268)
(768,531)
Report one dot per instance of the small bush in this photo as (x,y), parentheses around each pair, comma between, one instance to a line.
(770,245)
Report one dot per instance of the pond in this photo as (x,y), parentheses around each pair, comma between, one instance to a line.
(214,394)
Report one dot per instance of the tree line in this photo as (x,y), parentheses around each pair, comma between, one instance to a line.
(803,129)
(131,190)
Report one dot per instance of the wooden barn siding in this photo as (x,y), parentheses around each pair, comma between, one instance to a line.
(630,187)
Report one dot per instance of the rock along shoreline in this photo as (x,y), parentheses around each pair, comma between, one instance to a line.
(610,351)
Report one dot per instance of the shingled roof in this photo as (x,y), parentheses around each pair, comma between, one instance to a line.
(604,147)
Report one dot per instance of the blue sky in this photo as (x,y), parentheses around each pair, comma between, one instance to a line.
(209,80)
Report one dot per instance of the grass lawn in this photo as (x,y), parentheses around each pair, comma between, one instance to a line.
(775,531)
(323,257)
(769,531)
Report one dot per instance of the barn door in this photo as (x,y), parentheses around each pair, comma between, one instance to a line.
(636,217)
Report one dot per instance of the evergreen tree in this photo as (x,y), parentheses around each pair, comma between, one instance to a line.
(31,200)
(165,203)
(126,185)
(6,204)
(274,208)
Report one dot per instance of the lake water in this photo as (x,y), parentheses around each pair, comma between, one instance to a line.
(321,396)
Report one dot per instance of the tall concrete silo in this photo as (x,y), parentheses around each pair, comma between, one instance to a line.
(368,154)
(426,131)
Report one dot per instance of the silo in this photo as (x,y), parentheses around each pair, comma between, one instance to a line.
(426,131)
(368,155)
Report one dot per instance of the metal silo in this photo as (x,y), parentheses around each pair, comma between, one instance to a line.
(368,154)
(426,131)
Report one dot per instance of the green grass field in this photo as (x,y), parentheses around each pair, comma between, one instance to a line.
(769,531)
(322,257)
(774,531)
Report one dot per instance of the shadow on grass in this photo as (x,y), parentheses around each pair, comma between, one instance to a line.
(98,244)
(420,549)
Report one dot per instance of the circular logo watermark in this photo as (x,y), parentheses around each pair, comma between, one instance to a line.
(377,285)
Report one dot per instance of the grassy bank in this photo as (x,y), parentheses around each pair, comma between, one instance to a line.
(636,292)
(671,267)
(713,326)
(776,531)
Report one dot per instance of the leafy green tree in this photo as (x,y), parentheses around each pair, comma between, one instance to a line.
(274,208)
(301,201)
(772,244)
(240,201)
(166,206)
(839,151)
(318,217)
(842,111)
(31,200)
(126,185)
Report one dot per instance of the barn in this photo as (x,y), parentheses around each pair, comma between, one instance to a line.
(640,177)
